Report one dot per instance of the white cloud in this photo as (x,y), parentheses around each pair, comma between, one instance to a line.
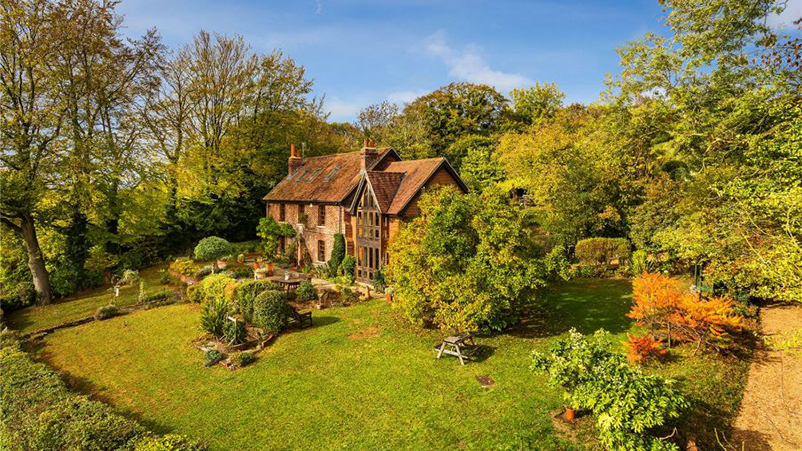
(785,20)
(405,96)
(468,65)
(342,111)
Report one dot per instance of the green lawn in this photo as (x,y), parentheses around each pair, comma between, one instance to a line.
(81,305)
(361,378)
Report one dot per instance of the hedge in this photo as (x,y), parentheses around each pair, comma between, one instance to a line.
(37,411)
(600,251)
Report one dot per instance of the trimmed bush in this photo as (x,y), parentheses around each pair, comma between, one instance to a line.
(213,287)
(38,412)
(241,272)
(379,284)
(601,251)
(337,254)
(240,359)
(348,295)
(348,267)
(193,293)
(106,312)
(157,296)
(213,248)
(213,316)
(270,311)
(213,356)
(170,442)
(202,272)
(184,266)
(244,295)
(306,292)
(234,331)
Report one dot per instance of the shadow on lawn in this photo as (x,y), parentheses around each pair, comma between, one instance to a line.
(585,304)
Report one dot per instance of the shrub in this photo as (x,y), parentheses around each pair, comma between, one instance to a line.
(337,254)
(184,266)
(213,248)
(157,296)
(245,293)
(557,264)
(213,287)
(270,311)
(348,295)
(601,251)
(270,231)
(379,284)
(241,259)
(643,348)
(200,273)
(640,263)
(22,295)
(213,356)
(234,331)
(241,272)
(193,293)
(240,359)
(660,305)
(348,267)
(169,442)
(626,402)
(213,316)
(306,292)
(106,312)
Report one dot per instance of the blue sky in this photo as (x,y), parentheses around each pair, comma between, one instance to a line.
(361,52)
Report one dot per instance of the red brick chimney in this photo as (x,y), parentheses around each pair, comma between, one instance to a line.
(368,155)
(295,161)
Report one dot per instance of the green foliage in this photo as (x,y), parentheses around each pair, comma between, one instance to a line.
(246,292)
(106,312)
(601,251)
(480,167)
(271,311)
(337,254)
(184,266)
(627,403)
(557,264)
(242,358)
(213,288)
(213,357)
(234,331)
(270,231)
(213,248)
(306,292)
(348,295)
(533,105)
(169,442)
(348,268)
(640,263)
(379,283)
(464,262)
(213,316)
(40,413)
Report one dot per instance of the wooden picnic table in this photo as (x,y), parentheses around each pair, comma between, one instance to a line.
(460,346)
(288,284)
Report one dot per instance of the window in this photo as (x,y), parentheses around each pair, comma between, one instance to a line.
(282,214)
(321,251)
(332,174)
(321,215)
(300,211)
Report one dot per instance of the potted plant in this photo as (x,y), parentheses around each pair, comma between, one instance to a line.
(388,294)
(260,273)
(257,263)
(241,258)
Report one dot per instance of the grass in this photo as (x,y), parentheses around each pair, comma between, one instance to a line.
(361,378)
(81,305)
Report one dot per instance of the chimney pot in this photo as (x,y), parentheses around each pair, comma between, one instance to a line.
(294,162)
(292,149)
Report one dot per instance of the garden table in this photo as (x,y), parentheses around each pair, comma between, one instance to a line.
(461,346)
(288,284)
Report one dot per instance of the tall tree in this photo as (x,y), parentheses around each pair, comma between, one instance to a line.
(32,123)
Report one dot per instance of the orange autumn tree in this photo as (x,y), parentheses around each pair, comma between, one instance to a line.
(665,309)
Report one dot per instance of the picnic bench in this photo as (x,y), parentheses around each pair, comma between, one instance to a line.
(303,320)
(461,346)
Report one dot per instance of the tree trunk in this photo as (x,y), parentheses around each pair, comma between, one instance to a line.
(36,262)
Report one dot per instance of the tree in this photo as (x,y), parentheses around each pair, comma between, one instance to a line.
(457,110)
(465,263)
(480,167)
(32,124)
(374,120)
(213,248)
(532,105)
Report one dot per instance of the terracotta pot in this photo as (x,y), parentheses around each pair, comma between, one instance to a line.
(270,267)
(255,265)
(570,414)
(222,264)
(389,297)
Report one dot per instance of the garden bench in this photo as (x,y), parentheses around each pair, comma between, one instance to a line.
(461,346)
(303,320)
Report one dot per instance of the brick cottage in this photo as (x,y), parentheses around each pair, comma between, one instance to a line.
(365,195)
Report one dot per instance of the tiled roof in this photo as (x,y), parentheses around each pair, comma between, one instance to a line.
(328,178)
(385,185)
(416,173)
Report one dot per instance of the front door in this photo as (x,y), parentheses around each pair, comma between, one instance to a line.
(368,237)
